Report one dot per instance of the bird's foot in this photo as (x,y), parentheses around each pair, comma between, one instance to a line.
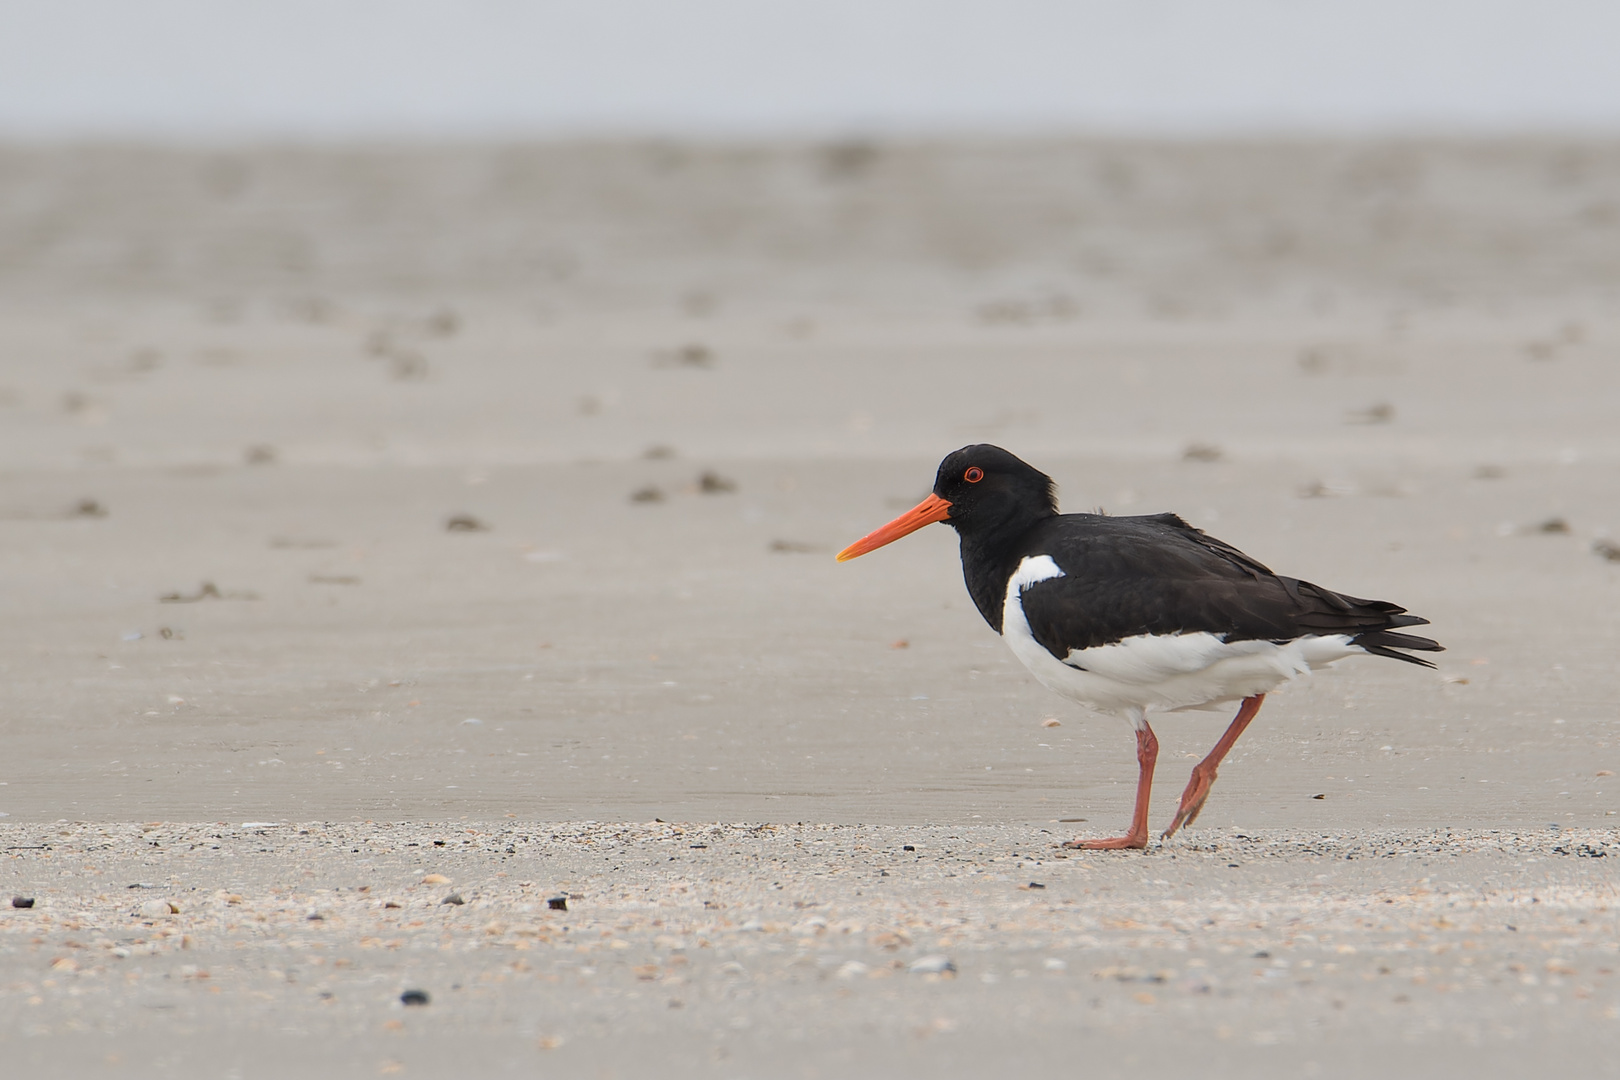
(1192,802)
(1135,840)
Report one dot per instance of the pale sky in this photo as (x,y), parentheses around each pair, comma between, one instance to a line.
(251,69)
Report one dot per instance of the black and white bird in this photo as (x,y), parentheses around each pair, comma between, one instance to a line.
(1133,614)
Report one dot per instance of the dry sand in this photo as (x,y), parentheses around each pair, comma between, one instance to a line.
(243,393)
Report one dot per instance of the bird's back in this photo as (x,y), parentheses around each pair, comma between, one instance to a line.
(1122,577)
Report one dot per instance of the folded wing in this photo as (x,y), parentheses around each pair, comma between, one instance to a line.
(1127,577)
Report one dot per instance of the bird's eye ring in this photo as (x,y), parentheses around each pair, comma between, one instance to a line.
(973,475)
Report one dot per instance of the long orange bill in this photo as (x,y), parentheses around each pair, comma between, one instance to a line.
(927,512)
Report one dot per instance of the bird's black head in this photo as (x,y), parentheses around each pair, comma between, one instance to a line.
(989,488)
(981,491)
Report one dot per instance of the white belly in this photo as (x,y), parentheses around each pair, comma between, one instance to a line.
(1149,671)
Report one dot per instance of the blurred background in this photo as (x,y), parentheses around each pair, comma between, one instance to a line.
(379,376)
(1032,164)
(368,69)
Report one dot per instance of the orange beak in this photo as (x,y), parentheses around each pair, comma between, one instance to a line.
(927,512)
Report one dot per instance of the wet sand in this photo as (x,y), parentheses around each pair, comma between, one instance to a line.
(319,479)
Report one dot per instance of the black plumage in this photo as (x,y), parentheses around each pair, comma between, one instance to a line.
(1125,576)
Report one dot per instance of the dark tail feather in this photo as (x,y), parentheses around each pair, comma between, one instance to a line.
(1384,643)
(1371,623)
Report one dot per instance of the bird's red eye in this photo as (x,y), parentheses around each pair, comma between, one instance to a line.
(973,475)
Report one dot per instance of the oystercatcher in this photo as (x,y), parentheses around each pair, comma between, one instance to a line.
(1131,614)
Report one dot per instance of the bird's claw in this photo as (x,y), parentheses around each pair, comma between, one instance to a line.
(1186,815)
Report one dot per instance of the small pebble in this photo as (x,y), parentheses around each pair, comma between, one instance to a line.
(936,964)
(464,523)
(558,903)
(1381,413)
(414,997)
(22,901)
(454,898)
(689,356)
(155,909)
(649,494)
(712,483)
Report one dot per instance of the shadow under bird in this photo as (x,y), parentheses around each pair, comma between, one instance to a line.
(1132,614)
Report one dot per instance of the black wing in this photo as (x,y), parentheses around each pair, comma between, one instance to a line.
(1126,576)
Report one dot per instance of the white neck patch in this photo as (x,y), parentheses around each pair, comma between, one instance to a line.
(1033,568)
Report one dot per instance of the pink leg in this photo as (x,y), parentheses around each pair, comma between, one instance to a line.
(1203,774)
(1147,752)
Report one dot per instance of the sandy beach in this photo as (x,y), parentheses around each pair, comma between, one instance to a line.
(381,526)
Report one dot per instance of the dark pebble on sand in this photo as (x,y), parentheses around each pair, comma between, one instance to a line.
(1381,413)
(648,494)
(22,901)
(454,898)
(793,547)
(712,483)
(558,903)
(687,356)
(414,997)
(464,523)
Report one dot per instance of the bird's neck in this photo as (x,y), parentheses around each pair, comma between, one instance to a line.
(989,558)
